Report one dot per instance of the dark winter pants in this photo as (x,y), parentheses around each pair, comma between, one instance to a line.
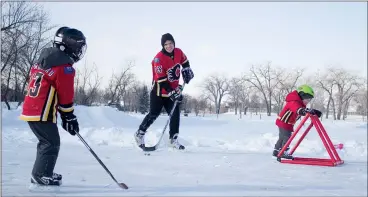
(47,148)
(284,136)
(156,104)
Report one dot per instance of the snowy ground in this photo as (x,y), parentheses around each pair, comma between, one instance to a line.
(224,157)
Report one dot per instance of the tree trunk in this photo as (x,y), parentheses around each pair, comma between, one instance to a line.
(16,89)
(7,88)
(339,109)
(346,108)
(240,112)
(219,105)
(328,107)
(269,106)
(333,108)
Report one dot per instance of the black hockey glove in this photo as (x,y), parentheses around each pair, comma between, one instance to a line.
(187,74)
(304,111)
(69,122)
(314,112)
(175,95)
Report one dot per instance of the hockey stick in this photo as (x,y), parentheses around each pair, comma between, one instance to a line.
(122,185)
(153,148)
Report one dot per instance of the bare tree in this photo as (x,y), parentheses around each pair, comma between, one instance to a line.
(195,102)
(361,98)
(23,29)
(318,102)
(17,14)
(199,104)
(255,103)
(327,83)
(216,87)
(244,97)
(203,104)
(18,19)
(235,90)
(264,78)
(38,40)
(87,84)
(347,86)
(186,103)
(239,95)
(13,41)
(118,84)
(133,95)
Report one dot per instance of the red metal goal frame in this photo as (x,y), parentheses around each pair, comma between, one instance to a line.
(334,159)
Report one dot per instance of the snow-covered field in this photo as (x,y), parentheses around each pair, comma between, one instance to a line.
(223,157)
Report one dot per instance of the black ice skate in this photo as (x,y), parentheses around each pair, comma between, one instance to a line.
(285,155)
(45,181)
(175,143)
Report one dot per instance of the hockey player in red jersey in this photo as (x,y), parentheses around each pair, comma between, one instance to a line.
(166,70)
(51,89)
(296,102)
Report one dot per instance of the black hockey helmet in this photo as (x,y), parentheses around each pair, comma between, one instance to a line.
(71,41)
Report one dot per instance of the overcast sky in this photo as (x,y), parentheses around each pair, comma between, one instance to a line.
(218,36)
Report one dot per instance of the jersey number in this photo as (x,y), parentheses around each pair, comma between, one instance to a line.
(34,89)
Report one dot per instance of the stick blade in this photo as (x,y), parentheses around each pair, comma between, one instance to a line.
(122,185)
(149,148)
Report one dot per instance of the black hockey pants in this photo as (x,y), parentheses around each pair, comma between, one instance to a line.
(284,136)
(47,148)
(156,104)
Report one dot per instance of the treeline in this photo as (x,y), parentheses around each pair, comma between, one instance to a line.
(265,86)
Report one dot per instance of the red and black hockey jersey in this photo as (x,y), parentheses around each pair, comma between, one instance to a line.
(289,114)
(166,69)
(50,87)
